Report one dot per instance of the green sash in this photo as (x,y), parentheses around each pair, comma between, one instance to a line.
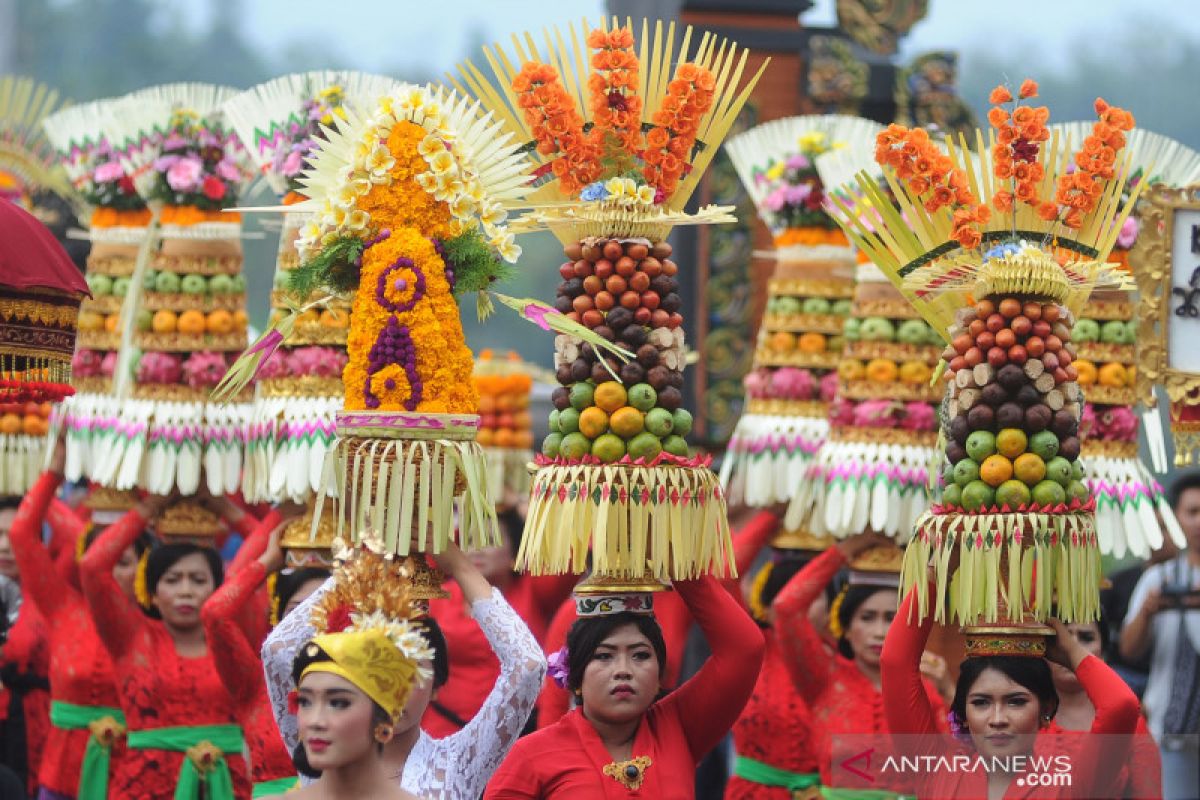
(215,776)
(93,770)
(766,775)
(830,793)
(277,786)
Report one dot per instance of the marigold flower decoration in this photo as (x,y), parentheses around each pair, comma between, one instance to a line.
(1019,134)
(929,173)
(1079,192)
(616,107)
(557,126)
(670,141)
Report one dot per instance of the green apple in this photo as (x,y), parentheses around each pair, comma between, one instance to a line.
(981,444)
(977,495)
(167,282)
(1113,332)
(1044,444)
(642,397)
(852,328)
(568,420)
(645,445)
(676,446)
(237,283)
(877,329)
(145,319)
(100,285)
(815,305)
(788,306)
(608,447)
(1086,330)
(911,331)
(683,422)
(551,445)
(1058,469)
(193,284)
(841,307)
(574,445)
(660,422)
(120,286)
(220,284)
(581,397)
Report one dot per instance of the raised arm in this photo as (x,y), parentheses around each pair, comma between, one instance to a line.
(39,578)
(710,702)
(117,617)
(236,662)
(481,745)
(750,539)
(255,544)
(808,662)
(906,702)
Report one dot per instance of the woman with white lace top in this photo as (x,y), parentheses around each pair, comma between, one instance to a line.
(457,767)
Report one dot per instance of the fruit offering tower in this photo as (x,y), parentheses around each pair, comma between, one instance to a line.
(505,427)
(1129,501)
(187,317)
(792,379)
(27,171)
(872,471)
(622,145)
(299,389)
(407,204)
(1001,249)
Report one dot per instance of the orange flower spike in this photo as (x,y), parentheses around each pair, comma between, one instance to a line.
(1000,94)
(1047,211)
(1002,201)
(1029,88)
(997,117)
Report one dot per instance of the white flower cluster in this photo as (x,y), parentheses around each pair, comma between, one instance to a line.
(452,177)
(403,633)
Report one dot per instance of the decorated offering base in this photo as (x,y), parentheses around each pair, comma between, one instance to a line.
(188,520)
(791,382)
(504,422)
(877,566)
(872,471)
(308,540)
(603,595)
(1129,501)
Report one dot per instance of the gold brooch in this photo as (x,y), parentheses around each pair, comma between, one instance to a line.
(629,774)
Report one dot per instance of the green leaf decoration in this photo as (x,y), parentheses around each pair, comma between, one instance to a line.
(336,268)
(475,264)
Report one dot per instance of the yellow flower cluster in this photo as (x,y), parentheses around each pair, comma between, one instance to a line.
(627,192)
(442,360)
(447,174)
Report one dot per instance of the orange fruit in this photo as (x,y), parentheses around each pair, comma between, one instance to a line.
(506,402)
(593,422)
(219,321)
(610,396)
(524,439)
(487,404)
(782,342)
(627,422)
(882,370)
(851,370)
(1111,374)
(1130,375)
(1029,468)
(995,470)
(110,322)
(191,322)
(240,320)
(522,420)
(505,437)
(90,321)
(1086,370)
(165,321)
(10,424)
(310,317)
(1011,442)
(486,437)
(811,342)
(915,372)
(34,425)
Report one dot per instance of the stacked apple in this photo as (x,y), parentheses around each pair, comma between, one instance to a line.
(626,293)
(1013,408)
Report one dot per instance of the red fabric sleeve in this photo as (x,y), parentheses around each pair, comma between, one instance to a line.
(749,541)
(1145,765)
(236,661)
(255,543)
(117,617)
(246,525)
(710,702)
(804,652)
(65,527)
(906,701)
(554,702)
(1117,714)
(39,577)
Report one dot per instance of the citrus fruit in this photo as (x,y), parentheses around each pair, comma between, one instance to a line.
(977,495)
(1049,493)
(660,422)
(1011,442)
(1111,374)
(914,371)
(1077,470)
(486,437)
(90,321)
(676,446)
(995,470)
(592,422)
(1012,493)
(965,472)
(952,495)
(645,445)
(504,437)
(682,422)
(568,420)
(34,425)
(627,422)
(1086,372)
(610,396)
(523,439)
(334,319)
(10,424)
(811,342)
(192,322)
(642,396)
(240,319)
(1044,444)
(851,370)
(1077,490)
(1058,469)
(165,321)
(882,370)
(574,445)
(110,322)
(608,448)
(782,342)
(219,321)
(1029,468)
(980,445)
(581,395)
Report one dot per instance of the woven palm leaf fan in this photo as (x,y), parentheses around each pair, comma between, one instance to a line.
(26,157)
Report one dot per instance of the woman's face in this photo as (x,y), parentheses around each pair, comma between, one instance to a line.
(125,571)
(8,562)
(182,590)
(336,721)
(301,594)
(1002,715)
(869,626)
(623,678)
(1088,635)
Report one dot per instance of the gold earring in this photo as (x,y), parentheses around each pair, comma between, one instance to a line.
(383,733)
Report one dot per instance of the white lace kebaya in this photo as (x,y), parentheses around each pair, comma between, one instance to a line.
(457,767)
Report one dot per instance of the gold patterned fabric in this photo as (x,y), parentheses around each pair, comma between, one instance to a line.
(370,661)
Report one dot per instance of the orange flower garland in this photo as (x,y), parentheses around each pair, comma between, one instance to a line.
(931,174)
(616,107)
(403,203)
(676,123)
(112,218)
(557,126)
(1015,151)
(1080,191)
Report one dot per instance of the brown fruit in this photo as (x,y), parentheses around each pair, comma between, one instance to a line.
(573,251)
(616,285)
(670,398)
(626,266)
(984,309)
(1064,423)
(658,377)
(997,357)
(630,300)
(1010,415)
(1011,377)
(1042,328)
(995,323)
(976,327)
(1028,394)
(659,318)
(962,343)
(561,397)
(1009,307)
(632,372)
(661,250)
(1021,326)
(613,250)
(583,268)
(986,341)
(955,452)
(637,251)
(994,394)
(650,300)
(1006,338)
(1033,310)
(647,356)
(618,318)
(592,285)
(676,379)
(670,267)
(981,417)
(605,332)
(1017,355)
(562,304)
(592,253)
(675,321)
(1037,418)
(600,374)
(1068,448)
(639,281)
(652,267)
(605,301)
(563,376)
(604,269)
(642,316)
(567,270)
(634,335)
(581,370)
(583,303)
(591,318)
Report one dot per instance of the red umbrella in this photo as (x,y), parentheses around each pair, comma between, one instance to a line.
(40,293)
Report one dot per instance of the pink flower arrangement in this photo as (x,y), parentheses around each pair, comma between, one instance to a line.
(204,370)
(877,414)
(918,416)
(85,364)
(841,411)
(793,383)
(757,384)
(322,362)
(184,174)
(829,387)
(156,367)
(1087,421)
(1128,234)
(108,366)
(108,171)
(213,188)
(1118,424)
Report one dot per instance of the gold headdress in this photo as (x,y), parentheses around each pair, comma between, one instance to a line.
(1003,290)
(366,628)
